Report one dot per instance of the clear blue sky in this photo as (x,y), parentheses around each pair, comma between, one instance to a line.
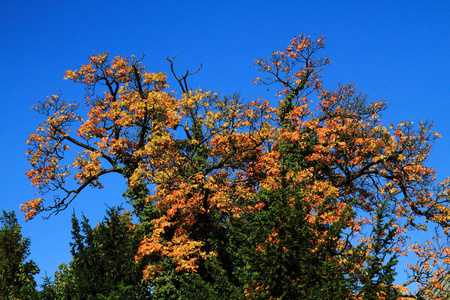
(394,50)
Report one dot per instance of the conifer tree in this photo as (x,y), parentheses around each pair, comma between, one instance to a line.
(103,264)
(16,274)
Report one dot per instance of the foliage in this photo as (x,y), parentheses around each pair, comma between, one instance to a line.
(103,265)
(222,185)
(284,259)
(16,274)
(62,287)
(378,279)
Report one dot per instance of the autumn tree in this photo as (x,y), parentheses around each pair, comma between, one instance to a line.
(16,274)
(202,169)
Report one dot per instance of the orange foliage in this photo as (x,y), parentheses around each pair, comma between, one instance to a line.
(204,152)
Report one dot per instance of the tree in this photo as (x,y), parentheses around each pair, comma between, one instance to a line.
(16,274)
(378,279)
(48,289)
(103,265)
(62,287)
(202,169)
(285,259)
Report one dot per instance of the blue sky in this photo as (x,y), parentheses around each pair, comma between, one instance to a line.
(393,50)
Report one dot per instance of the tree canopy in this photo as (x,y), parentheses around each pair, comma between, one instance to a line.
(314,197)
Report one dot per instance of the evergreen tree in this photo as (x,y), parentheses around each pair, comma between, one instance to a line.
(103,265)
(16,274)
(103,258)
(379,273)
(286,256)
